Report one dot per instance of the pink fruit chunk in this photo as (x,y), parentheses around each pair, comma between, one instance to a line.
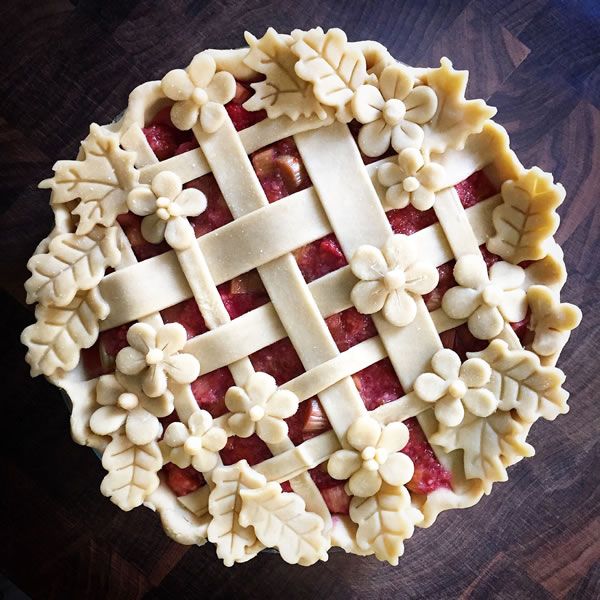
(182,481)
(349,328)
(188,314)
(378,384)
(217,212)
(252,449)
(320,257)
(433,300)
(279,360)
(308,421)
(409,220)
(336,499)
(210,389)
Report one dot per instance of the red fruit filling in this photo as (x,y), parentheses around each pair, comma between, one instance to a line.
(188,314)
(182,481)
(209,391)
(409,220)
(217,212)
(378,384)
(474,189)
(332,490)
(279,360)
(349,328)
(252,449)
(320,257)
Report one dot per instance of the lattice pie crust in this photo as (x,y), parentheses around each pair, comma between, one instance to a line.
(475,413)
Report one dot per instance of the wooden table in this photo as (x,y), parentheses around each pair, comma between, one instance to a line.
(64,66)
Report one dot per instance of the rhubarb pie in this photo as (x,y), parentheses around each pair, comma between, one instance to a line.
(301,296)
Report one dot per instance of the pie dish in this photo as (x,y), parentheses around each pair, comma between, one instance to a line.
(302,296)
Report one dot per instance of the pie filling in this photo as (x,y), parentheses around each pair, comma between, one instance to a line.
(281,173)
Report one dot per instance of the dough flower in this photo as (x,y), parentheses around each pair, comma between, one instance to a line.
(154,355)
(390,279)
(486,303)
(374,456)
(165,205)
(260,406)
(197,443)
(454,386)
(199,91)
(410,180)
(394,112)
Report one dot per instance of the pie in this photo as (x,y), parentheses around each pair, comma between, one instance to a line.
(302,296)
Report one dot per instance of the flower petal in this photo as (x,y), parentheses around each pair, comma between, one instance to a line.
(398,251)
(204,460)
(410,161)
(191,202)
(374,138)
(282,404)
(460,302)
(422,198)
(153,229)
(236,400)
(200,422)
(214,439)
(142,337)
(430,387)
(395,81)
(271,430)
(421,278)
(185,114)
(260,387)
(421,104)
(130,361)
(368,296)
(397,197)
(202,69)
(179,233)
(513,305)
(364,483)
(161,406)
(449,411)
(178,456)
(176,434)
(368,263)
(171,338)
(166,184)
(141,201)
(486,322)
(432,176)
(480,402)
(398,469)
(475,372)
(108,390)
(222,88)
(365,431)
(506,276)
(470,271)
(177,85)
(183,368)
(390,174)
(212,116)
(241,424)
(154,382)
(399,308)
(394,437)
(367,104)
(343,463)
(407,135)
(446,363)
(107,419)
(141,427)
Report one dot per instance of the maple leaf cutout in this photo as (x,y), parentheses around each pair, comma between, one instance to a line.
(55,340)
(335,68)
(281,521)
(72,263)
(527,217)
(132,471)
(282,92)
(520,382)
(100,181)
(234,541)
(384,521)
(455,118)
(489,445)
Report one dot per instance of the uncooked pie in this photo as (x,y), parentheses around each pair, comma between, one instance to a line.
(302,296)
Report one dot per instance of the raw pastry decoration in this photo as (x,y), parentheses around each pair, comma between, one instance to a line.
(288,285)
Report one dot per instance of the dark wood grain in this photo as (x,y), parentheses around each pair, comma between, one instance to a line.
(67,64)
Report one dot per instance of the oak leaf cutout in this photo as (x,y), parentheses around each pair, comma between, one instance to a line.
(527,217)
(384,521)
(282,92)
(335,69)
(520,382)
(455,118)
(55,340)
(281,521)
(73,263)
(234,541)
(100,181)
(132,471)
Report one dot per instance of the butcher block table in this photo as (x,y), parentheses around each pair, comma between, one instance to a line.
(66,64)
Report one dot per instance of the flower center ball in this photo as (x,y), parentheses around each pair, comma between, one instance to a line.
(257,413)
(457,389)
(394,111)
(410,184)
(127,401)
(154,356)
(200,96)
(492,296)
(192,445)
(394,279)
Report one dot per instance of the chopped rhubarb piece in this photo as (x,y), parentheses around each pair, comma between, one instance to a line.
(163,117)
(320,257)
(323,480)
(183,481)
(243,294)
(188,314)
(243,92)
(461,340)
(186,147)
(316,421)
(429,474)
(336,499)
(409,220)
(252,449)
(474,189)
(378,384)
(286,486)
(93,366)
(242,118)
(279,360)
(132,226)
(209,391)
(349,328)
(113,340)
(162,140)
(433,300)
(217,212)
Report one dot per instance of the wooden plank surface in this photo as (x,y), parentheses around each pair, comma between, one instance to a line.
(65,64)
